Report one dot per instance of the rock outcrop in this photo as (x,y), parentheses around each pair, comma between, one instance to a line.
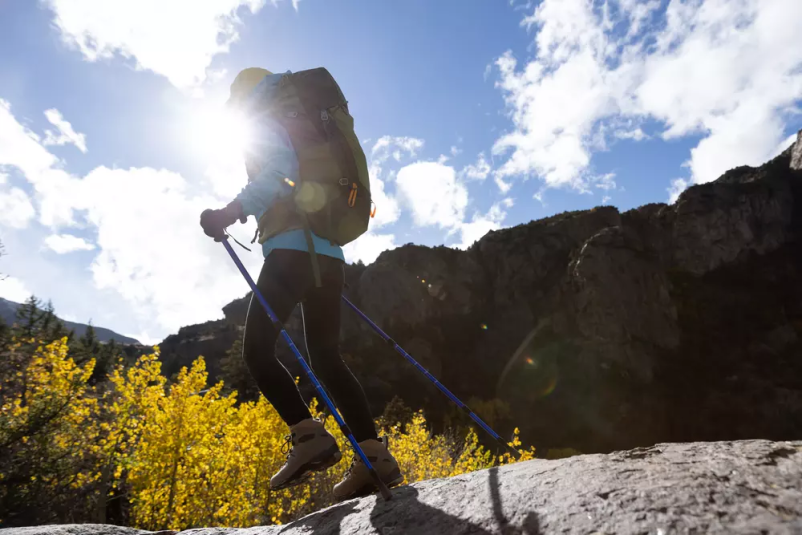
(749,487)
(600,330)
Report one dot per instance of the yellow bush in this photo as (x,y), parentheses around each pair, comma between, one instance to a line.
(189,456)
(46,426)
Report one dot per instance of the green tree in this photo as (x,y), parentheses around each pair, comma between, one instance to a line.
(88,347)
(37,321)
(236,376)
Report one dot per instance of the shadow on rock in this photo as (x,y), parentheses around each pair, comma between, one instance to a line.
(406,514)
(531,524)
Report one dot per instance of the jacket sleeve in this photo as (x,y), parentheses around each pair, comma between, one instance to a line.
(274,156)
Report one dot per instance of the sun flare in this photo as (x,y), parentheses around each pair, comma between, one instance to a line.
(217,138)
(219,133)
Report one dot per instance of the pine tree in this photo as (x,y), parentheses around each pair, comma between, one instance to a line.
(52,328)
(29,316)
(87,347)
(37,321)
(235,374)
(5,331)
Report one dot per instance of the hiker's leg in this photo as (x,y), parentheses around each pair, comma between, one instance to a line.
(322,315)
(282,286)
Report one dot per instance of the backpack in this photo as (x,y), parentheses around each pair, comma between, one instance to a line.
(332,196)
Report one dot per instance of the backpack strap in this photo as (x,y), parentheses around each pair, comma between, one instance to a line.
(310,244)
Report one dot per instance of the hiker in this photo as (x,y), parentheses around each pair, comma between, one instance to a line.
(302,145)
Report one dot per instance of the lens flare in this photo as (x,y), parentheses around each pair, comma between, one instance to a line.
(551,385)
(483,326)
(530,361)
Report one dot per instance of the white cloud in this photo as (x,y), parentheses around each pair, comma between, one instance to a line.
(21,148)
(455,151)
(503,185)
(430,190)
(67,243)
(66,134)
(174,38)
(604,182)
(635,134)
(678,185)
(397,147)
(783,145)
(16,209)
(482,224)
(606,199)
(387,209)
(151,250)
(163,264)
(14,290)
(478,170)
(368,247)
(728,70)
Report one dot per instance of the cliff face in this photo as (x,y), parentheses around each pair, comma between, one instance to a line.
(600,330)
(742,487)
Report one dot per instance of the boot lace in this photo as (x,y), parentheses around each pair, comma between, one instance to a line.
(354,460)
(286,447)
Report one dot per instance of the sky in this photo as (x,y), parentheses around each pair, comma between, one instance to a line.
(474,115)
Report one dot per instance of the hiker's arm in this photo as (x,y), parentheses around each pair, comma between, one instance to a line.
(275,158)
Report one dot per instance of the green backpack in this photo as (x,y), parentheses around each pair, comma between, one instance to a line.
(332,197)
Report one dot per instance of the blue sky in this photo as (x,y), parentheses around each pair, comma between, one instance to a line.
(475,115)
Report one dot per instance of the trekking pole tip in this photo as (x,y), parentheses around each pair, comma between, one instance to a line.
(383,490)
(516,453)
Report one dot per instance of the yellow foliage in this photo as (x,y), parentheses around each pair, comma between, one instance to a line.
(46,417)
(189,456)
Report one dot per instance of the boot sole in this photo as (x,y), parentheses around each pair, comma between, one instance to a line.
(370,488)
(322,462)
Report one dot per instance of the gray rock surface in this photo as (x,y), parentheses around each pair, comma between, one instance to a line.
(796,153)
(73,529)
(748,487)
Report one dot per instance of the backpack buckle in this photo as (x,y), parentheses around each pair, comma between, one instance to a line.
(324,116)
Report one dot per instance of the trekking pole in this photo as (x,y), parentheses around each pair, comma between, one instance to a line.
(432,378)
(339,419)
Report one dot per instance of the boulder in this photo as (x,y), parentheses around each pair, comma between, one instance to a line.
(743,487)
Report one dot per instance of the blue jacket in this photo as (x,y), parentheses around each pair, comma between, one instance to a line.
(272,152)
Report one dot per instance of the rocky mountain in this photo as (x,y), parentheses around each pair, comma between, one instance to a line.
(726,487)
(598,330)
(8,314)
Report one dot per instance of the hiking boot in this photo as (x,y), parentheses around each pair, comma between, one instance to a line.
(309,448)
(357,480)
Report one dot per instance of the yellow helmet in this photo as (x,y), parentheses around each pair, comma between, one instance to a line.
(244,83)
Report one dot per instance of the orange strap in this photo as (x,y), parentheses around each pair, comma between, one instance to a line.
(373,212)
(352,195)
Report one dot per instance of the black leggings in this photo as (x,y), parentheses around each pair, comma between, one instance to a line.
(286,279)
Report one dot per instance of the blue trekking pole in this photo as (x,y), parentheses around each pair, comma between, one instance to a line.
(432,378)
(340,422)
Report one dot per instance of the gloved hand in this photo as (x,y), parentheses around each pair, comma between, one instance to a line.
(214,222)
